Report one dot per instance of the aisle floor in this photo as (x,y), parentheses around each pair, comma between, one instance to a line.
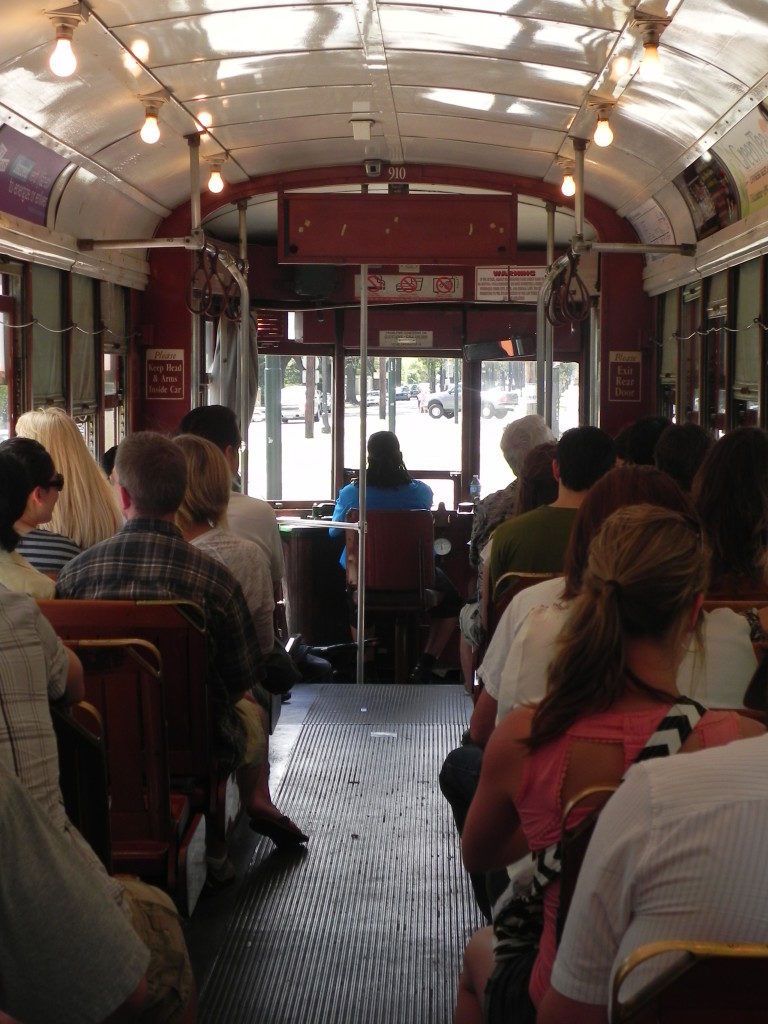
(369,923)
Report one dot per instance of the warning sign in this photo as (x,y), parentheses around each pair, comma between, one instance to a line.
(165,373)
(412,287)
(624,376)
(409,339)
(509,284)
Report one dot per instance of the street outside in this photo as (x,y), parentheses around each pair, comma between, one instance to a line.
(427,443)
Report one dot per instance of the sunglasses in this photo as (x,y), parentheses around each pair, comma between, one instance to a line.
(56,481)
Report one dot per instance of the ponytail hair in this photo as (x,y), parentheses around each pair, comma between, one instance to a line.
(645,569)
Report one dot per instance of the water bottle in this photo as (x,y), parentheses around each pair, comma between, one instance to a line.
(474,489)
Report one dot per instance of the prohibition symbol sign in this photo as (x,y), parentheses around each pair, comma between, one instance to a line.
(409,284)
(375,283)
(444,285)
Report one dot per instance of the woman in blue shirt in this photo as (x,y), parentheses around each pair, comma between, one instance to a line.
(389,486)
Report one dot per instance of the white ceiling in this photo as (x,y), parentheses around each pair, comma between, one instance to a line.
(490,85)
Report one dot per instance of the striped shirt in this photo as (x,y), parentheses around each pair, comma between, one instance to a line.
(47,551)
(678,852)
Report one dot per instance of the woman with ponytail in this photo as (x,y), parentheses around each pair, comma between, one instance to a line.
(613,679)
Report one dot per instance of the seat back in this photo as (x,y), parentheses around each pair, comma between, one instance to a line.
(123,681)
(507,586)
(177,630)
(399,552)
(706,983)
(574,840)
(83,775)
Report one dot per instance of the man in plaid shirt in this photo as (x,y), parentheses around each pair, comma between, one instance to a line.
(148,559)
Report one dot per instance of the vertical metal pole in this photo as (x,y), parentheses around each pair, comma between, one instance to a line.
(594,363)
(245,352)
(363,471)
(195,222)
(274,453)
(549,330)
(579,145)
(391,394)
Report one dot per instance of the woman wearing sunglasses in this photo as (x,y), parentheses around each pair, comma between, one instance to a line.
(29,489)
(44,548)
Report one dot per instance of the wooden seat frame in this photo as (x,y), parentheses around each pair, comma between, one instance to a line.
(709,982)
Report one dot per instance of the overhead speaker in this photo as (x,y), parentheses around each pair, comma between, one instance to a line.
(314,282)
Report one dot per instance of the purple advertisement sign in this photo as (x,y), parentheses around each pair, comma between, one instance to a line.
(27,173)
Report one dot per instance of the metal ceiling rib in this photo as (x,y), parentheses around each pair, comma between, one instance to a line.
(496,85)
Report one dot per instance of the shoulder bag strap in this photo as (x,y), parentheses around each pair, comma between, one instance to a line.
(667,738)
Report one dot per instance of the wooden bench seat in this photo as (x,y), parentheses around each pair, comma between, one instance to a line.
(153,833)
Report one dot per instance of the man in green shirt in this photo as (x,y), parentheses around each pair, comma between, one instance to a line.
(536,541)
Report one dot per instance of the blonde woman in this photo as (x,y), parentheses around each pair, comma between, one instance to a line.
(201,517)
(86,511)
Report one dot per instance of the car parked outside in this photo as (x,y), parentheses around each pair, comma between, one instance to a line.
(497,402)
(402,393)
(293,402)
(442,403)
(493,402)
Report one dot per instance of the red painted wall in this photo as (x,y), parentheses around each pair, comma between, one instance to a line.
(625,310)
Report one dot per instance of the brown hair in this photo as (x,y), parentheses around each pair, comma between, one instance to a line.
(730,492)
(625,485)
(209,483)
(645,569)
(537,482)
(153,470)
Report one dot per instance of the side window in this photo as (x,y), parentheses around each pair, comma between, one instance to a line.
(48,337)
(114,349)
(83,377)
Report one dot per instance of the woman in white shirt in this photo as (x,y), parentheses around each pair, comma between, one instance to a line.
(716,671)
(202,519)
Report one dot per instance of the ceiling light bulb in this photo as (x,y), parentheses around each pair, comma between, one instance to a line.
(215,182)
(63,61)
(603,135)
(150,131)
(651,63)
(568,187)
(620,67)
(205,119)
(140,49)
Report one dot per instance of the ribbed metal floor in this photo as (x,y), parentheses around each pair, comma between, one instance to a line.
(369,925)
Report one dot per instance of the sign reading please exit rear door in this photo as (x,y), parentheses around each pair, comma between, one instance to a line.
(624,376)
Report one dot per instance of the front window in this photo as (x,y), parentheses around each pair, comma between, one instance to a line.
(290,432)
(417,398)
(508,392)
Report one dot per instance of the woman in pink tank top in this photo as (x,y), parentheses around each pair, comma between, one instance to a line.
(612,680)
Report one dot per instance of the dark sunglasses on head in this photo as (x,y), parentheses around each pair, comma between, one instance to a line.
(56,481)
